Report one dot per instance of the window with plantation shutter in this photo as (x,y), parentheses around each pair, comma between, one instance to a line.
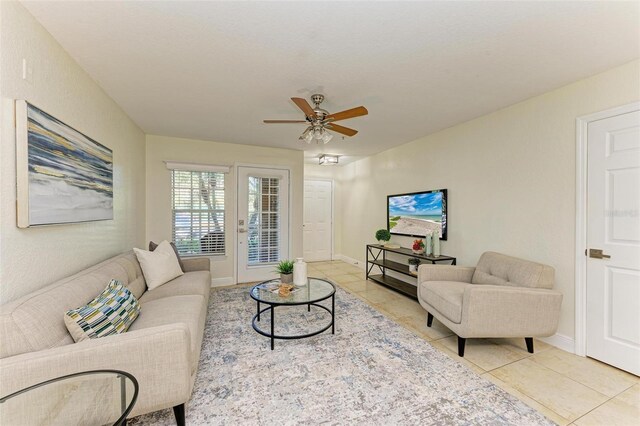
(197,199)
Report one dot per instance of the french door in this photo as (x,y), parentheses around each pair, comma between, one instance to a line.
(263,222)
(613,241)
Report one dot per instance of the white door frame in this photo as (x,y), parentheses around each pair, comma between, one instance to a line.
(582,124)
(235,218)
(333,204)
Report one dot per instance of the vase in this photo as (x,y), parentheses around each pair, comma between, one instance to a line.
(436,245)
(300,272)
(413,268)
(418,251)
(286,278)
(427,245)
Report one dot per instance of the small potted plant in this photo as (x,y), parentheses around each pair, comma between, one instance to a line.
(413,265)
(418,246)
(383,236)
(285,269)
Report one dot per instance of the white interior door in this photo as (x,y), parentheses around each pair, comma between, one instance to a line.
(318,232)
(263,222)
(613,226)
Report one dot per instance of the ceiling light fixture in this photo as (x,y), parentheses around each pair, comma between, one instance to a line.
(328,160)
(307,135)
(317,132)
(326,137)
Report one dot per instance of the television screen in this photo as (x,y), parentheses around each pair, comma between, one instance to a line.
(418,214)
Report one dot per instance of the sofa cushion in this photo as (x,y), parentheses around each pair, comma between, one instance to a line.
(499,269)
(111,312)
(445,297)
(189,309)
(191,283)
(21,321)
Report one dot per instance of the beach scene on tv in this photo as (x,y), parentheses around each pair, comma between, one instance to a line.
(416,214)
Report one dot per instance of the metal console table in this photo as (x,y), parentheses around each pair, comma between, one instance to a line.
(377,258)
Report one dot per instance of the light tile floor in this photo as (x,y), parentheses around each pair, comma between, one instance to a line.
(566,388)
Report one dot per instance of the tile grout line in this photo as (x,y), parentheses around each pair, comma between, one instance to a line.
(593,409)
(569,378)
(530,397)
(583,384)
(574,381)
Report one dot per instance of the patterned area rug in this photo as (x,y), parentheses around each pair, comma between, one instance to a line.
(372,371)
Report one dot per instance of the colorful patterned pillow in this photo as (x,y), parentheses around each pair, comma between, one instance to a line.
(111,312)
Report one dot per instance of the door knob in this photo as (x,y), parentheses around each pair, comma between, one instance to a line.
(598,254)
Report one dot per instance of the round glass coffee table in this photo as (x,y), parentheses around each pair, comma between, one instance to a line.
(99,397)
(310,295)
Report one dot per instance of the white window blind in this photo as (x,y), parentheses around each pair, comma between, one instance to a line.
(197,199)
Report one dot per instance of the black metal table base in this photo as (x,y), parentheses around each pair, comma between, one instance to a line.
(273,336)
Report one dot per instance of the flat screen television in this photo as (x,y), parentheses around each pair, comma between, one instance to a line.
(418,213)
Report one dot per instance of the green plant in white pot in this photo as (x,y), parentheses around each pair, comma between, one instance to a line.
(413,265)
(285,269)
(383,236)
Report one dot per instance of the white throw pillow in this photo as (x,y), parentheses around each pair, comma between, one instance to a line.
(158,266)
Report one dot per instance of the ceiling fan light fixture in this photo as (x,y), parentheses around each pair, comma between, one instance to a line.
(319,120)
(328,160)
(307,135)
(326,137)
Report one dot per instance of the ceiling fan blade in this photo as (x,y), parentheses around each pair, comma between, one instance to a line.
(285,121)
(341,129)
(349,113)
(305,107)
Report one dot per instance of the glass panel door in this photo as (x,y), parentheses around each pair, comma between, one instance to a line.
(263,222)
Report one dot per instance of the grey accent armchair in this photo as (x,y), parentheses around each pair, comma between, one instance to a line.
(502,296)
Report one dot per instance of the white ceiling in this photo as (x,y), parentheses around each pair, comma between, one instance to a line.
(215,70)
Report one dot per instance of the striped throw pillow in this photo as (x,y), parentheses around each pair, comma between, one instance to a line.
(111,312)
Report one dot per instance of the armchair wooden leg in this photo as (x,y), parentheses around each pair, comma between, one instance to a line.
(178,411)
(461,342)
(429,319)
(529,341)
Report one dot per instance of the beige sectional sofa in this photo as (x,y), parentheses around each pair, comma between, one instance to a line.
(161,348)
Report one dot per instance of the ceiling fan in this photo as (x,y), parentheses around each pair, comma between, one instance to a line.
(319,120)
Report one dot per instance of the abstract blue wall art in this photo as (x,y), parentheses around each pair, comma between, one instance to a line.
(63,175)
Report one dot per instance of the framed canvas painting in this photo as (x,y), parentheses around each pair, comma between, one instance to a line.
(63,176)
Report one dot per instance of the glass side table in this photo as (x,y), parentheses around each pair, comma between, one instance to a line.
(100,397)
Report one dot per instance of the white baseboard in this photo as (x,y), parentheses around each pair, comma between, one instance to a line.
(560,341)
(221,282)
(359,263)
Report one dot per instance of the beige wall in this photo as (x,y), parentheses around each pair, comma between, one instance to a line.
(510,176)
(332,173)
(161,148)
(31,258)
